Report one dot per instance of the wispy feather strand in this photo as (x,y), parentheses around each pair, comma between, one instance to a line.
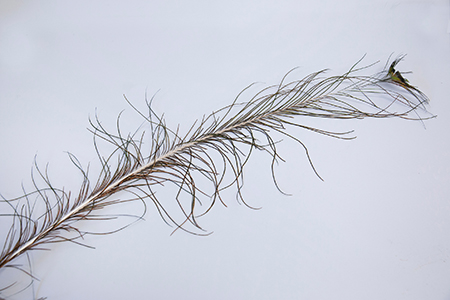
(231,133)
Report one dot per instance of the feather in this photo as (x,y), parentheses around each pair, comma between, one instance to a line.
(216,148)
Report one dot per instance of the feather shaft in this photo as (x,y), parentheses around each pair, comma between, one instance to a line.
(179,160)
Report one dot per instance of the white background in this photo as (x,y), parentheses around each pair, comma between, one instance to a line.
(376,228)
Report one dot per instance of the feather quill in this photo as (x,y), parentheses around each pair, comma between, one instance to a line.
(217,146)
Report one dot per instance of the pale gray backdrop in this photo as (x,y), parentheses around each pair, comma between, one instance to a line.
(378,227)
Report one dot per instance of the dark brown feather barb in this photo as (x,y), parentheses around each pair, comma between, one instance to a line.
(213,150)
